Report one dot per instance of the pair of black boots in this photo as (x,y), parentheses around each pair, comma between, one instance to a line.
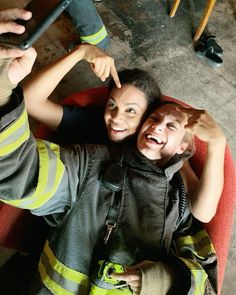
(208,49)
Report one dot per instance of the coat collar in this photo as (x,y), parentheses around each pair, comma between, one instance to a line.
(137,160)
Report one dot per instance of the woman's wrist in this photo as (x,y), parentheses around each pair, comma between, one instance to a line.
(80,51)
(5,84)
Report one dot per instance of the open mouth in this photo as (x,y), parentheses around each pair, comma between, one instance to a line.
(154,139)
(118,129)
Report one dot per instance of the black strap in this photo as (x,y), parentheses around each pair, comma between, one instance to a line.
(113,179)
(112,214)
(182,196)
(177,182)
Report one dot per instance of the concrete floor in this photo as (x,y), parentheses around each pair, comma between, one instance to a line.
(142,35)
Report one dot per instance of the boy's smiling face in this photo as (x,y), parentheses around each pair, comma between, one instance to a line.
(162,134)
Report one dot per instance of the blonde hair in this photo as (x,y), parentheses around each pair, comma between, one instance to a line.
(188,137)
(190,150)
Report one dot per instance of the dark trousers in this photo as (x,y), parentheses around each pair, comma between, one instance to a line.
(88,23)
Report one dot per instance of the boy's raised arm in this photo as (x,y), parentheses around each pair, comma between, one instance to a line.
(204,200)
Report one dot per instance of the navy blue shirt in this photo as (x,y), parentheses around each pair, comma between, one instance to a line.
(82,125)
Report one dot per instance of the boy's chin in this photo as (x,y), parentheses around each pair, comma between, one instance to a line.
(149,155)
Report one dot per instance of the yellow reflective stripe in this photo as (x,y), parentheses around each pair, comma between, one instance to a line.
(55,148)
(51,170)
(50,284)
(95,38)
(198,274)
(10,140)
(45,175)
(64,270)
(13,146)
(18,123)
(43,167)
(191,241)
(95,290)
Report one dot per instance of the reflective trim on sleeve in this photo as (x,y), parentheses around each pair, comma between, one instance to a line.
(95,38)
(51,170)
(198,277)
(50,284)
(14,135)
(199,244)
(55,274)
(95,290)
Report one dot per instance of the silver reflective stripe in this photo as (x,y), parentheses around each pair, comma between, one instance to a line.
(14,135)
(198,277)
(58,277)
(11,139)
(51,170)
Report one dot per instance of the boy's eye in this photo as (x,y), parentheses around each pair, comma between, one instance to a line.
(172,126)
(153,118)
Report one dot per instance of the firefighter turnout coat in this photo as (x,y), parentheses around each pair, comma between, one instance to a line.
(68,187)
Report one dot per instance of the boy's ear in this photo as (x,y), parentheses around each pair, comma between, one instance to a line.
(182,148)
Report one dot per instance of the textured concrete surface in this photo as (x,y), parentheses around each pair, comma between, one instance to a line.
(143,35)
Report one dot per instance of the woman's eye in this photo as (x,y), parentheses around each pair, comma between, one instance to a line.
(111,105)
(131,111)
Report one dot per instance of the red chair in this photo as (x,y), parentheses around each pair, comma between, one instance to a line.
(18,229)
(220,227)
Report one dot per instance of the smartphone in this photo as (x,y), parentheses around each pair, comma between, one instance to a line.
(44,13)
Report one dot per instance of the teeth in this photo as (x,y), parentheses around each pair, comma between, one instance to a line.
(154,138)
(117,129)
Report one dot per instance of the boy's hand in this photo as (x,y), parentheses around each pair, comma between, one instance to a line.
(133,276)
(102,64)
(7,24)
(201,124)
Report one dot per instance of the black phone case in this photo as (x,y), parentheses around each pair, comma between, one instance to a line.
(44,13)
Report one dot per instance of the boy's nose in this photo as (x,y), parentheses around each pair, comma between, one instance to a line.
(158,127)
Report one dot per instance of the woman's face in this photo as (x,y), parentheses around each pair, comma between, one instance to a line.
(124,112)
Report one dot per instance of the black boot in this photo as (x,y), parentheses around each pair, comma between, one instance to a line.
(208,49)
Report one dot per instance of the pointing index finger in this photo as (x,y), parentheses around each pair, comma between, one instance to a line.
(115,76)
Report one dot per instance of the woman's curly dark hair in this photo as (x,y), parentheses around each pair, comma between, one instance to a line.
(144,82)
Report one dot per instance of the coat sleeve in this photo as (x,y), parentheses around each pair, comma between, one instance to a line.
(194,252)
(189,269)
(35,174)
